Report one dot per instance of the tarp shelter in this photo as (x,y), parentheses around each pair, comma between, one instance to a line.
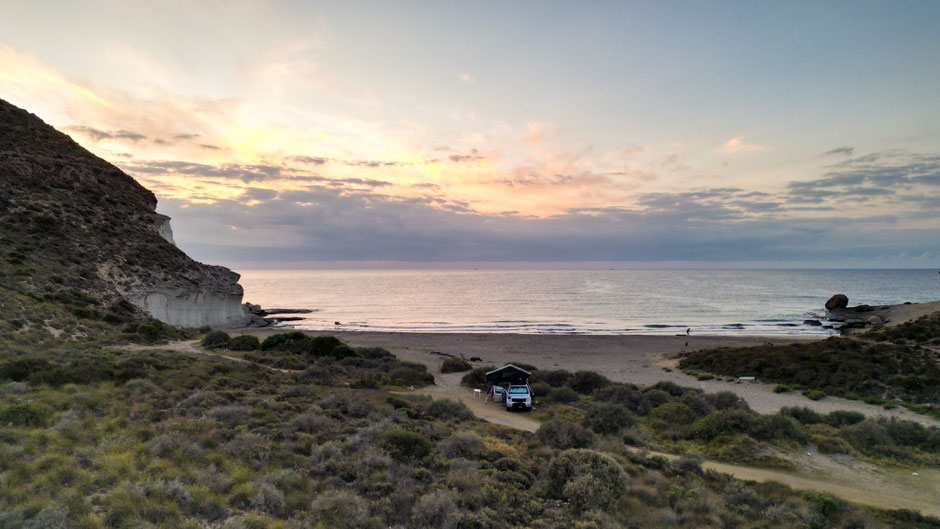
(508,374)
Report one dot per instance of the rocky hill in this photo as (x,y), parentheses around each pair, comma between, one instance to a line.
(78,232)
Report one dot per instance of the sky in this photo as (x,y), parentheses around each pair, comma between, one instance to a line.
(292,134)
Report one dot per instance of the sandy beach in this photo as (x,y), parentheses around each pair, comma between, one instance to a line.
(639,359)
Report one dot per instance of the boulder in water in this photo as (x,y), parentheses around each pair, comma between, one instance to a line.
(839,301)
(812,323)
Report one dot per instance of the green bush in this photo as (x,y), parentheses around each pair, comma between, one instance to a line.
(476,378)
(215,339)
(21,369)
(154,330)
(587,479)
(802,414)
(721,423)
(673,413)
(245,342)
(555,378)
(586,382)
(410,374)
(608,418)
(841,418)
(565,395)
(447,409)
(455,365)
(781,388)
(404,445)
(562,434)
(24,415)
(292,342)
(814,394)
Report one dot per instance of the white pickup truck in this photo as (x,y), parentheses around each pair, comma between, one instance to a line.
(520,396)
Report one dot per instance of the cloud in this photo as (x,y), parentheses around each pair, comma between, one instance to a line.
(90,132)
(464,77)
(473,156)
(310,160)
(128,135)
(845,150)
(736,145)
(326,224)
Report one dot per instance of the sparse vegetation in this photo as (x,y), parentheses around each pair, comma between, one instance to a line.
(455,365)
(903,371)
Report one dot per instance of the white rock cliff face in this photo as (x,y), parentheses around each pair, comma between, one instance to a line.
(193,309)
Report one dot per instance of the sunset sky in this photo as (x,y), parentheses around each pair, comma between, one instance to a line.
(278,134)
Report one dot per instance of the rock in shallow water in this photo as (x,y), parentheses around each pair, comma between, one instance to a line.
(839,301)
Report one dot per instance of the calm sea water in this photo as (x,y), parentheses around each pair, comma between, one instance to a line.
(579,301)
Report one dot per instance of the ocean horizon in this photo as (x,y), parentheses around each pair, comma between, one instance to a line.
(580,301)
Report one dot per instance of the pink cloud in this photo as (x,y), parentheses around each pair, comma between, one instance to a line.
(736,145)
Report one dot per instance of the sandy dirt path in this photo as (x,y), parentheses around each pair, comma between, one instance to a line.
(847,479)
(632,358)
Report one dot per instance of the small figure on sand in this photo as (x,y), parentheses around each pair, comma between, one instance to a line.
(687,331)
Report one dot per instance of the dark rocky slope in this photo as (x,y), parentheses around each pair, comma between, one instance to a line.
(77,231)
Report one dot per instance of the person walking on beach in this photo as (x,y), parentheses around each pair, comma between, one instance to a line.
(687,331)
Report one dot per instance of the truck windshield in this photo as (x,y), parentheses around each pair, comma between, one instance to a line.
(519,389)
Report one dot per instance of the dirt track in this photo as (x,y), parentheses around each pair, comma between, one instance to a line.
(887,489)
(870,486)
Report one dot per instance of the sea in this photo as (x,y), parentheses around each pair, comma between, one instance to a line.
(714,302)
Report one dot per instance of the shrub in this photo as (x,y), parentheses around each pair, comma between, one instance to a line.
(215,339)
(410,374)
(586,382)
(476,378)
(609,418)
(465,445)
(671,388)
(311,423)
(565,395)
(24,415)
(445,409)
(540,389)
(292,342)
(628,395)
(814,394)
(825,505)
(587,479)
(20,369)
(330,346)
(840,418)
(563,434)
(435,509)
(781,388)
(673,413)
(455,365)
(555,378)
(726,400)
(245,342)
(230,414)
(154,330)
(803,414)
(340,509)
(403,445)
(721,423)
(771,427)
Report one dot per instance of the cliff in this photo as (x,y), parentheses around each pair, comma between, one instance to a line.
(76,229)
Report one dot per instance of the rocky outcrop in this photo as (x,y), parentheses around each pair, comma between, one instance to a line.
(84,230)
(839,301)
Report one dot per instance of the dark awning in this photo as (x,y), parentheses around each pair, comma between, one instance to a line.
(508,374)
